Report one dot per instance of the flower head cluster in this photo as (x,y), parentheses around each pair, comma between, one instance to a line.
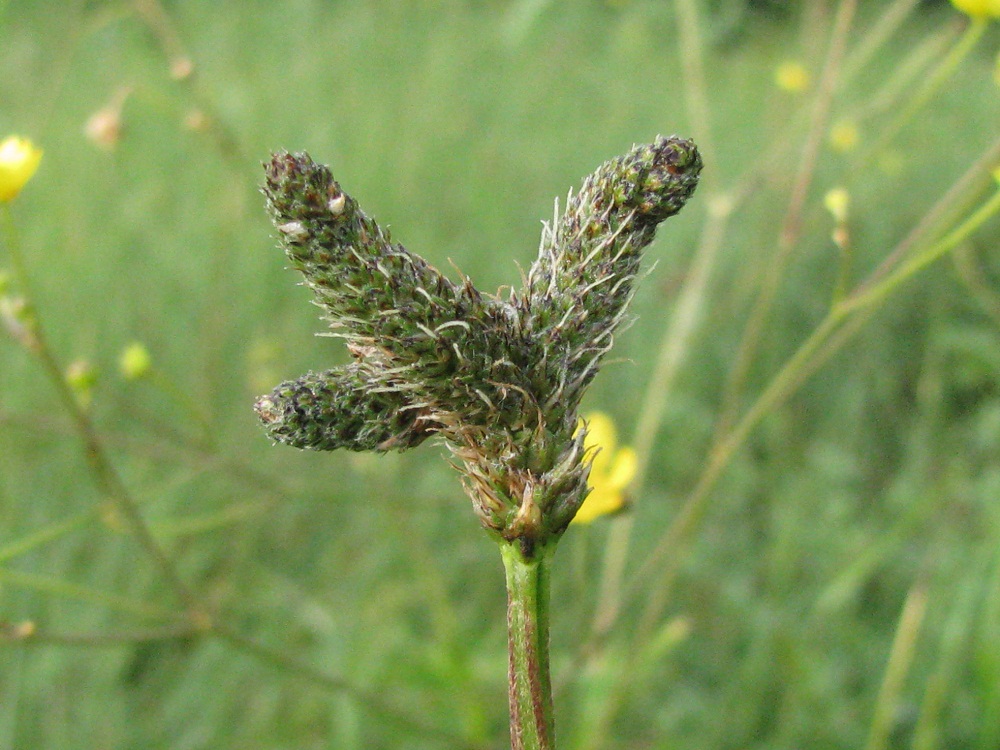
(500,379)
(18,161)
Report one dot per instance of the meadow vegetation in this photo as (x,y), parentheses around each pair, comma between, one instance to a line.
(811,386)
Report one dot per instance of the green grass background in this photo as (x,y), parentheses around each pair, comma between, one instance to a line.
(457,123)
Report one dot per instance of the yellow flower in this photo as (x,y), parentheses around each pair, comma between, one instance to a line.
(611,472)
(135,362)
(844,136)
(792,76)
(836,202)
(979,8)
(18,162)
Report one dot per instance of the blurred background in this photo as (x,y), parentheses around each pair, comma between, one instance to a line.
(811,556)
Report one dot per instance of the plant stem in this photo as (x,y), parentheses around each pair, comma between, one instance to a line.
(104,473)
(932,84)
(530,686)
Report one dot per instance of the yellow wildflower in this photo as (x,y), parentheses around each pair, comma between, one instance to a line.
(135,362)
(612,470)
(979,8)
(844,136)
(792,76)
(836,201)
(18,162)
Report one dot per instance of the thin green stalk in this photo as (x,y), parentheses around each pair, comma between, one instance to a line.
(43,536)
(954,203)
(376,704)
(164,29)
(918,262)
(31,636)
(791,376)
(10,696)
(972,274)
(669,553)
(674,345)
(955,636)
(530,687)
(791,225)
(932,85)
(885,100)
(900,661)
(672,352)
(65,589)
(888,23)
(692,54)
(852,313)
(845,263)
(183,398)
(836,329)
(104,473)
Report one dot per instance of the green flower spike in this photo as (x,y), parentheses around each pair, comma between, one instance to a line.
(499,380)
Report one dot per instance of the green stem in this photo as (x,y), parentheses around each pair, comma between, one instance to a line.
(104,473)
(870,295)
(933,83)
(530,687)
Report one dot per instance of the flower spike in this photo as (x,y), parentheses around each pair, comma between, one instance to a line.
(499,380)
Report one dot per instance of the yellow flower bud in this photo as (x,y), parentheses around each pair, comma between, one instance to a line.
(792,76)
(844,136)
(81,378)
(18,162)
(135,362)
(979,8)
(836,202)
